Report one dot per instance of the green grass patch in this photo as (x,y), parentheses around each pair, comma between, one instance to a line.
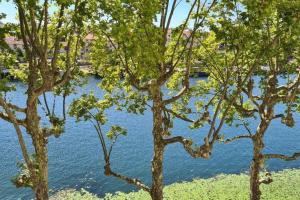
(286,186)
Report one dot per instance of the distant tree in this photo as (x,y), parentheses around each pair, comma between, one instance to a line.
(139,56)
(41,34)
(273,31)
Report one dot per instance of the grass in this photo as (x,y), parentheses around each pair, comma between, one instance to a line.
(286,186)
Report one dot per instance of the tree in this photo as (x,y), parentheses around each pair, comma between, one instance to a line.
(138,55)
(274,28)
(41,34)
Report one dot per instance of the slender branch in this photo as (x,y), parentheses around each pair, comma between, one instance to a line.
(97,126)
(238,137)
(247,128)
(58,37)
(212,124)
(108,171)
(67,74)
(112,144)
(46,103)
(22,143)
(182,117)
(195,29)
(278,116)
(25,27)
(168,74)
(187,72)
(64,106)
(45,26)
(23,22)
(169,21)
(283,157)
(164,11)
(182,30)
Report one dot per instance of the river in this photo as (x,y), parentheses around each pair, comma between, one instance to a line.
(75,159)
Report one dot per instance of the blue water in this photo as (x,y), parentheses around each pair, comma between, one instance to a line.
(75,159)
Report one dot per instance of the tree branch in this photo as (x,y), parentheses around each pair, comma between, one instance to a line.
(182,117)
(237,137)
(8,119)
(22,143)
(138,183)
(283,157)
(176,97)
(15,107)
(203,151)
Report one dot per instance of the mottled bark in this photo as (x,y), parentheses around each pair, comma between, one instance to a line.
(42,184)
(40,179)
(157,162)
(257,160)
(157,170)
(254,173)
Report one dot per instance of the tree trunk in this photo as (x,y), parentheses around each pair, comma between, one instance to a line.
(40,180)
(254,173)
(157,162)
(157,170)
(42,159)
(257,162)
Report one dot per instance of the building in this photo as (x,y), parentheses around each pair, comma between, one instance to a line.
(14,43)
(186,34)
(17,44)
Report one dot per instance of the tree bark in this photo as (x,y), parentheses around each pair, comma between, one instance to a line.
(40,180)
(258,160)
(41,187)
(254,173)
(157,170)
(157,162)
